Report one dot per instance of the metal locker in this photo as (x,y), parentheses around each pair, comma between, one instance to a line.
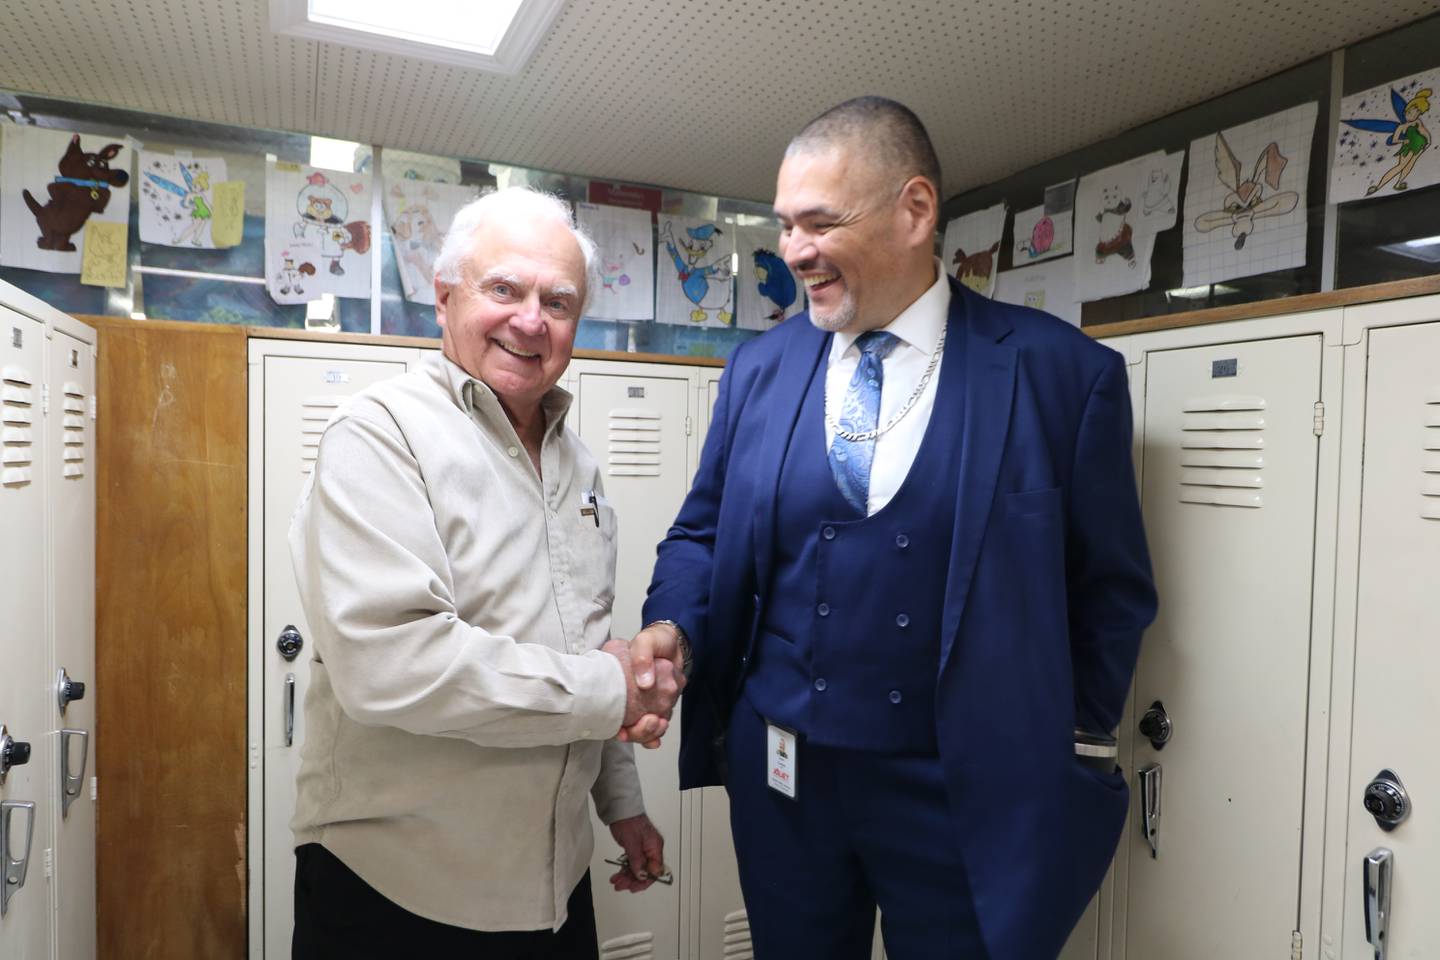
(26,793)
(293,398)
(70,469)
(1230,461)
(1392,854)
(637,423)
(721,924)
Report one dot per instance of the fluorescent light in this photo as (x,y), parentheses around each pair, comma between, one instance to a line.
(1414,250)
(494,35)
(333,154)
(1423,242)
(475,26)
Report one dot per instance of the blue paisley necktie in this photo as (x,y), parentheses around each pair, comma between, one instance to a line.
(850,460)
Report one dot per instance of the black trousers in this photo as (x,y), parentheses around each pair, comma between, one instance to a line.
(338,916)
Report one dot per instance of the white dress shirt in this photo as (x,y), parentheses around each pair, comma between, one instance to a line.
(918,328)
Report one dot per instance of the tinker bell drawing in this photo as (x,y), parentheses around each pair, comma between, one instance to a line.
(192,199)
(1405,131)
(1246,202)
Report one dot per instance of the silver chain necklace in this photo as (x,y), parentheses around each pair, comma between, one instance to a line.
(869,435)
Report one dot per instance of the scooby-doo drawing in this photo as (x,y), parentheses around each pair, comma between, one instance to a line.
(974,270)
(82,188)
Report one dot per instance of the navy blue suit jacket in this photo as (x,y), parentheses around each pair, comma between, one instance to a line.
(1048,592)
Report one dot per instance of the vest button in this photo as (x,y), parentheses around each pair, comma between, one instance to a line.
(895,696)
(903,620)
(823,609)
(902,541)
(820,684)
(828,533)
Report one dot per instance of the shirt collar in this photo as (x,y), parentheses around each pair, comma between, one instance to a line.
(918,325)
(468,393)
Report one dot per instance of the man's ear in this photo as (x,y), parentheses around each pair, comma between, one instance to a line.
(920,205)
(442,301)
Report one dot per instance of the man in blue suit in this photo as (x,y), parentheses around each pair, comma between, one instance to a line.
(910,570)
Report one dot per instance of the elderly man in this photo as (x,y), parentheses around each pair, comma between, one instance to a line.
(456,562)
(911,569)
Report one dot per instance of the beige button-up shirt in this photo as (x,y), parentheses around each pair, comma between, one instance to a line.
(459,711)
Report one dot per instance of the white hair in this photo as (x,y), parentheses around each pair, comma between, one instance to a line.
(511,203)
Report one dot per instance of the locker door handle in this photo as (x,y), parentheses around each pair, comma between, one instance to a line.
(289,709)
(1379,870)
(15,869)
(71,783)
(1150,781)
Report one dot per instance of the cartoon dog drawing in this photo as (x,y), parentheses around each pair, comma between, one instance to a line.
(418,240)
(974,271)
(1246,202)
(82,188)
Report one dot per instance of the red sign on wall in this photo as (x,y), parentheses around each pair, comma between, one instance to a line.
(625,195)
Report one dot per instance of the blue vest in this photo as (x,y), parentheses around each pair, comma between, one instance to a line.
(847,650)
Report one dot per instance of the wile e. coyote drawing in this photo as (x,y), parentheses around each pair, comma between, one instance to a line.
(1246,202)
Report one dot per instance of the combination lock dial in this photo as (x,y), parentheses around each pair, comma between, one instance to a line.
(290,642)
(13,753)
(1386,800)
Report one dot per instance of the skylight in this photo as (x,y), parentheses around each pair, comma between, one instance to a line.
(494,35)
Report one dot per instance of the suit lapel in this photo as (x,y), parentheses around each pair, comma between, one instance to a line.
(989,394)
(792,377)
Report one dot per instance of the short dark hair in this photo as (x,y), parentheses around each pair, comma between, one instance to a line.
(887,129)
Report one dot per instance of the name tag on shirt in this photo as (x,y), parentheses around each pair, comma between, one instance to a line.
(781,765)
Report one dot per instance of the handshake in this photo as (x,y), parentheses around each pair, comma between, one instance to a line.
(654,679)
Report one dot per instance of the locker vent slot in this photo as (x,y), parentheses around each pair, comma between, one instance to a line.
(631,946)
(17,449)
(633,437)
(737,937)
(1430,458)
(73,437)
(315,415)
(1222,439)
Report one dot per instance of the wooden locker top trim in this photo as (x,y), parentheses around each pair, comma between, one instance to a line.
(382,340)
(1372,293)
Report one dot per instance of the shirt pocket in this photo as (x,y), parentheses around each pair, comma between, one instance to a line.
(596,546)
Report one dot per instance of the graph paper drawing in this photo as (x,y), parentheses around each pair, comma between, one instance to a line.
(1245,202)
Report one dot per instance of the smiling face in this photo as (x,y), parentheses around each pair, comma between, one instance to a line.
(510,323)
(863,249)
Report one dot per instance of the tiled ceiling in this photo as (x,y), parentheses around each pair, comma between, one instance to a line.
(696,94)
